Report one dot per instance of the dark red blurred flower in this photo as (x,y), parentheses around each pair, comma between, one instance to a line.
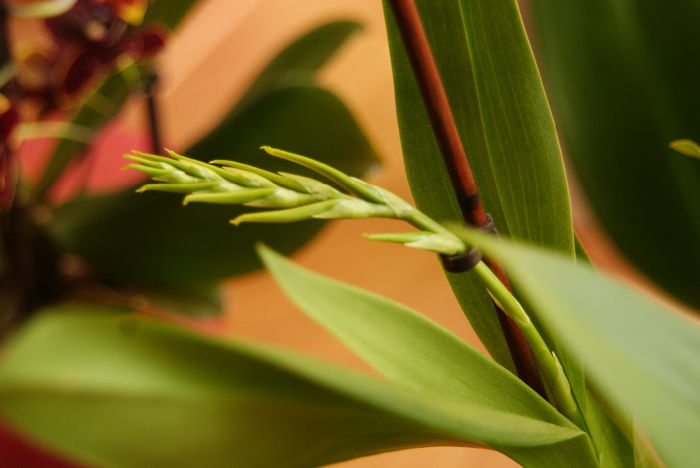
(92,38)
(9,118)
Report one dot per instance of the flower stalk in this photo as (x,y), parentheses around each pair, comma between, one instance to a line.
(290,197)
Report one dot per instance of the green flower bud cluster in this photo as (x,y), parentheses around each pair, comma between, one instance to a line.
(290,197)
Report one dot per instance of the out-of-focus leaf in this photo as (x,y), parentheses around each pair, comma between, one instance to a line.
(203,302)
(151,238)
(687,147)
(411,350)
(613,446)
(98,386)
(299,61)
(99,108)
(644,359)
(581,254)
(644,456)
(505,124)
(168,12)
(622,88)
(40,9)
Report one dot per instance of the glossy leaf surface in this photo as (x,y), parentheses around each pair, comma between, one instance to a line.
(505,125)
(97,385)
(411,350)
(405,346)
(622,86)
(642,358)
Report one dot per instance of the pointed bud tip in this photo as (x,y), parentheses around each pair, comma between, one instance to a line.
(172,153)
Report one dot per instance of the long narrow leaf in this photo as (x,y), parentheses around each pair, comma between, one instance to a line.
(405,346)
(643,358)
(506,127)
(411,350)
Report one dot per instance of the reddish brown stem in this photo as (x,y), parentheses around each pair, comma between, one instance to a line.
(152,111)
(455,158)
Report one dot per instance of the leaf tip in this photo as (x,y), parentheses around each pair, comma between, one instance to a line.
(686,146)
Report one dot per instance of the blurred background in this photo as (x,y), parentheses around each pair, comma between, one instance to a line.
(208,63)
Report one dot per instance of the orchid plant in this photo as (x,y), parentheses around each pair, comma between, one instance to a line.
(583,370)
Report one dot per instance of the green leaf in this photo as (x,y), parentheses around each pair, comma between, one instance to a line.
(99,108)
(503,119)
(687,147)
(581,254)
(614,448)
(429,181)
(300,60)
(622,88)
(644,456)
(641,357)
(97,386)
(409,349)
(168,12)
(40,9)
(150,238)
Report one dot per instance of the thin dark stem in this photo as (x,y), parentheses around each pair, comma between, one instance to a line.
(152,107)
(455,158)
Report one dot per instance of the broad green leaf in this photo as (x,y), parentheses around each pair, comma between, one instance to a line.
(622,87)
(295,66)
(502,115)
(301,117)
(409,349)
(641,357)
(95,386)
(99,108)
(151,238)
(309,119)
(300,60)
